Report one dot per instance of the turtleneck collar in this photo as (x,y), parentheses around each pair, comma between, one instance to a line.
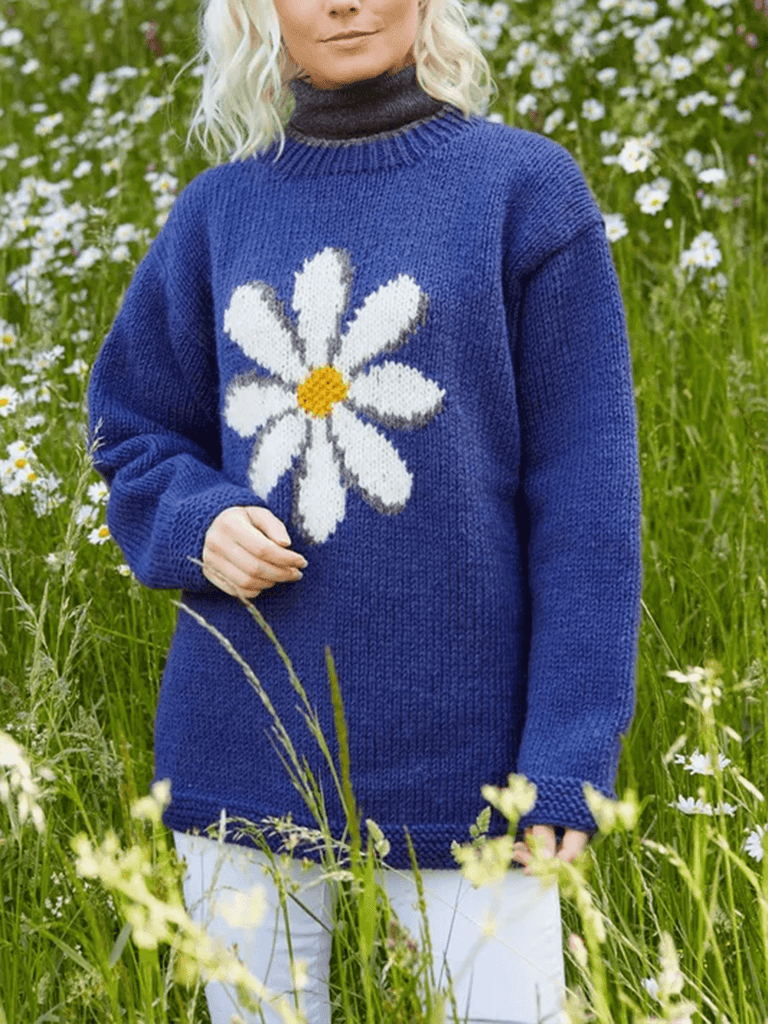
(382,104)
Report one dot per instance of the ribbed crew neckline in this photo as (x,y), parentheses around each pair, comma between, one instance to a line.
(365,126)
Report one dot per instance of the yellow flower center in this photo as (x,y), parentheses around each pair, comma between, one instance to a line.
(104,531)
(4,401)
(21,463)
(324,386)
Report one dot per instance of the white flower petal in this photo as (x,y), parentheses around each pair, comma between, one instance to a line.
(396,395)
(321,500)
(320,297)
(274,452)
(256,321)
(370,462)
(252,401)
(382,324)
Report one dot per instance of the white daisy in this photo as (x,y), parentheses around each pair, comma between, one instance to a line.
(308,405)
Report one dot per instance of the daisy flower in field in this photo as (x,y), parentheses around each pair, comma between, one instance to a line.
(98,492)
(8,336)
(78,367)
(715,283)
(636,154)
(653,197)
(308,407)
(99,535)
(86,514)
(690,806)
(9,399)
(592,110)
(713,176)
(87,257)
(615,226)
(753,844)
(701,764)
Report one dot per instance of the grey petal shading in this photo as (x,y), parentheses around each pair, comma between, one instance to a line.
(256,321)
(249,405)
(274,452)
(396,395)
(382,324)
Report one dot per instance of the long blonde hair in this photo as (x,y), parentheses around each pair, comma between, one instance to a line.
(246,98)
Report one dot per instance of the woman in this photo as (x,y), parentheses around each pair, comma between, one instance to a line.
(400,332)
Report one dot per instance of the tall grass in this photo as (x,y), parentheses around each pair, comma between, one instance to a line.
(666,916)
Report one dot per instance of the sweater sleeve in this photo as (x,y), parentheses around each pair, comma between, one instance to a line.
(153,413)
(580,495)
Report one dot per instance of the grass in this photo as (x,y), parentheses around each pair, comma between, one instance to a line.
(82,645)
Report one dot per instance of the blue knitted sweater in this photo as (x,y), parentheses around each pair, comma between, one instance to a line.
(410,346)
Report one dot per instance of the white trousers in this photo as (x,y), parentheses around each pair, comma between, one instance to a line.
(502,942)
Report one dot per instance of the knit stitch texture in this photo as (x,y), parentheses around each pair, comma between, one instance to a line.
(412,349)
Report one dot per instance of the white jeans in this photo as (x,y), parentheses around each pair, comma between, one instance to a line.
(515,975)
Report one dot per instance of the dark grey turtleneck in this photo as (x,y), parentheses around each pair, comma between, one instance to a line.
(380,104)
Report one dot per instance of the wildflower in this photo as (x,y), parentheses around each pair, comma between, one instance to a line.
(652,198)
(517,799)
(19,779)
(147,107)
(127,233)
(592,110)
(701,764)
(607,812)
(636,154)
(99,535)
(703,681)
(150,808)
(47,124)
(243,910)
(579,950)
(78,367)
(690,806)
(679,67)
(487,864)
(615,226)
(713,175)
(82,169)
(754,843)
(11,37)
(98,492)
(88,256)
(9,399)
(380,841)
(8,336)
(715,283)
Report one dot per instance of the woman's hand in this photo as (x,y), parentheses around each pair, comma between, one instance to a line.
(574,843)
(246,550)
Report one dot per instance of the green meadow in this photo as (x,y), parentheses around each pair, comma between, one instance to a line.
(665,917)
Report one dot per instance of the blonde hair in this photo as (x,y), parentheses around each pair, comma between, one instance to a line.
(246,98)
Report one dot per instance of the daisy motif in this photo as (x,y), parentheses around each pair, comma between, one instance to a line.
(309,405)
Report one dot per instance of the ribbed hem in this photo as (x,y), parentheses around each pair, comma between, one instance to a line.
(305,155)
(431,843)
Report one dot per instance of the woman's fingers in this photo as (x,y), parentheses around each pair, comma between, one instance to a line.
(574,842)
(241,559)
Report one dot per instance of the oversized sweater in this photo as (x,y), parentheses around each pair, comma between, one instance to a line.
(405,338)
